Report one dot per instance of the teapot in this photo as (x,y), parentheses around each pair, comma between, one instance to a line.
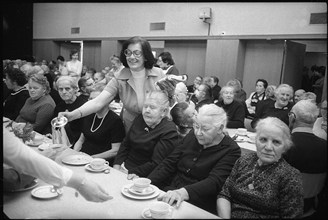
(59,135)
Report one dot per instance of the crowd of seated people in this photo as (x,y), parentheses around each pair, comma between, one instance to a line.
(177,137)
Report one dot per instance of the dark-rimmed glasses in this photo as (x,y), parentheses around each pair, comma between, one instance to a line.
(136,53)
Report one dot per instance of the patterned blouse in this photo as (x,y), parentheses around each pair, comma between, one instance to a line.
(276,191)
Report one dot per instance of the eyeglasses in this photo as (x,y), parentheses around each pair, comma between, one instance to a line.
(291,114)
(136,53)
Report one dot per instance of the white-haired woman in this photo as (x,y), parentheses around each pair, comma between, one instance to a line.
(279,108)
(197,169)
(68,91)
(263,184)
(150,139)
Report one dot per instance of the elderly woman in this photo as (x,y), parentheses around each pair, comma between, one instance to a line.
(278,108)
(39,107)
(150,139)
(132,84)
(234,108)
(102,132)
(198,168)
(67,89)
(15,82)
(263,184)
(258,95)
(182,115)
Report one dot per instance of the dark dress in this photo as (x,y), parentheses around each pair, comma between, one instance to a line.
(99,140)
(15,102)
(202,172)
(73,128)
(216,92)
(203,102)
(277,190)
(235,112)
(144,148)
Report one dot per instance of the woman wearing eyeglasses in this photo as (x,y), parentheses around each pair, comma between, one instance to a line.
(132,84)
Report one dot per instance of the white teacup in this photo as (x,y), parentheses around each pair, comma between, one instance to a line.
(38,138)
(252,137)
(140,184)
(98,163)
(160,210)
(242,131)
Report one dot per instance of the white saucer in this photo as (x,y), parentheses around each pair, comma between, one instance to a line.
(89,168)
(147,215)
(77,159)
(125,191)
(44,192)
(149,190)
(32,144)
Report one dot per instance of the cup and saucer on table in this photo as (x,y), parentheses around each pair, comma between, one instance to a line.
(97,165)
(140,189)
(158,210)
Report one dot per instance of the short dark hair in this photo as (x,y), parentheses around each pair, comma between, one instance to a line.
(61,58)
(215,79)
(16,75)
(74,51)
(177,113)
(208,90)
(82,81)
(265,83)
(166,58)
(146,51)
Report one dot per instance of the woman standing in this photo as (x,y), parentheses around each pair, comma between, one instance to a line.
(39,107)
(132,84)
(74,66)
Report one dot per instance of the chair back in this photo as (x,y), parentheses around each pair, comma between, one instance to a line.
(313,183)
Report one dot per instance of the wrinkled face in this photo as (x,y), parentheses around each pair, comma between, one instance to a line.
(152,112)
(259,88)
(115,64)
(197,81)
(35,90)
(204,130)
(270,144)
(199,92)
(161,64)
(228,95)
(135,63)
(298,96)
(283,97)
(97,77)
(190,114)
(66,92)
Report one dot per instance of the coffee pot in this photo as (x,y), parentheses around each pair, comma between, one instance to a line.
(59,135)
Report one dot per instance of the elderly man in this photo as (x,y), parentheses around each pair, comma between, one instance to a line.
(309,154)
(298,95)
(197,169)
(204,95)
(85,85)
(67,89)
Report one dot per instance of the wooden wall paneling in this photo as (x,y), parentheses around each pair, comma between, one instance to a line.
(293,64)
(45,50)
(263,59)
(66,47)
(189,57)
(222,58)
(109,48)
(92,54)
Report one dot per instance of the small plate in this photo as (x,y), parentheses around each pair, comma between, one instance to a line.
(32,185)
(89,168)
(125,191)
(32,144)
(149,190)
(77,159)
(44,146)
(44,192)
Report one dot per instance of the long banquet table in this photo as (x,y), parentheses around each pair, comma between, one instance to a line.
(21,205)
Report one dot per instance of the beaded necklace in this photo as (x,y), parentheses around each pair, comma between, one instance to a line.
(93,122)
